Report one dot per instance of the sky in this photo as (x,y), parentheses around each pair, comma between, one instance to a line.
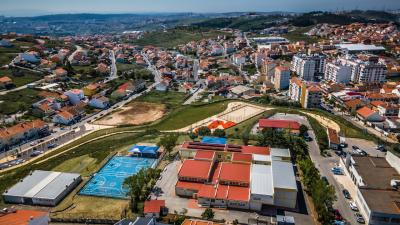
(41,7)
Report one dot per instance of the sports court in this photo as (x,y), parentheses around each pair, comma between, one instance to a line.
(108,182)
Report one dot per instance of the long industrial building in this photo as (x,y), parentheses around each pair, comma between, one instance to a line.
(46,188)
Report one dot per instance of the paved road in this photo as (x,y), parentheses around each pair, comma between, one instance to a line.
(360,125)
(113,69)
(195,95)
(20,87)
(324,165)
(152,68)
(78,49)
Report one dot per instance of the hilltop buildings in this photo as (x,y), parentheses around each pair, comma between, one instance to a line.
(308,67)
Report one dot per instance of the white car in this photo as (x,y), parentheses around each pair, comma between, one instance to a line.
(353,206)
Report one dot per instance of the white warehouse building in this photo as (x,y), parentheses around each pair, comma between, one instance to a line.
(46,188)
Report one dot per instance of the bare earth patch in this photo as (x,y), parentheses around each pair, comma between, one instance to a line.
(135,113)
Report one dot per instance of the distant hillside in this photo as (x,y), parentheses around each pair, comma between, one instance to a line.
(245,23)
(248,23)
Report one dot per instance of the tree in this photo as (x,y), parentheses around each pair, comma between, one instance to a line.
(245,138)
(193,136)
(168,142)
(203,131)
(303,130)
(208,214)
(219,133)
(235,222)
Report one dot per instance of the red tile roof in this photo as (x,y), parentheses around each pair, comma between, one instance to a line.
(189,185)
(21,217)
(209,155)
(239,193)
(240,157)
(333,136)
(365,112)
(153,206)
(255,150)
(235,172)
(287,124)
(195,169)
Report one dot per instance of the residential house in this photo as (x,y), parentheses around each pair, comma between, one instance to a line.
(99,102)
(368,115)
(75,96)
(154,208)
(242,91)
(311,97)
(91,89)
(22,133)
(70,114)
(5,82)
(333,138)
(353,105)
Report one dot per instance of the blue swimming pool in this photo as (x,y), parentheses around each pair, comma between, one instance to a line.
(108,182)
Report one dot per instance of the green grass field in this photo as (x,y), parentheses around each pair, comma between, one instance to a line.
(172,38)
(172,99)
(298,35)
(18,101)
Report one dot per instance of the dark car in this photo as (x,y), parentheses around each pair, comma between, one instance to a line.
(363,153)
(343,145)
(359,218)
(355,147)
(346,194)
(337,214)
(325,180)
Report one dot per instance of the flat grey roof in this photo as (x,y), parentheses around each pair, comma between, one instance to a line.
(280,152)
(283,175)
(56,186)
(261,180)
(360,47)
(42,184)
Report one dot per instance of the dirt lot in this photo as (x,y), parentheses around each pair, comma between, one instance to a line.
(135,113)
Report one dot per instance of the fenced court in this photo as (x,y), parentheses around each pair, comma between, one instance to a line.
(108,182)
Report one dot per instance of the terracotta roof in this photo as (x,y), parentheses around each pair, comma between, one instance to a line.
(199,222)
(255,150)
(153,206)
(240,157)
(195,169)
(365,112)
(314,88)
(377,103)
(21,128)
(235,172)
(21,217)
(239,193)
(209,155)
(286,124)
(65,114)
(354,103)
(333,136)
(5,79)
(189,185)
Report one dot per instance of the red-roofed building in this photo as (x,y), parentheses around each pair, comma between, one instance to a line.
(195,171)
(242,158)
(369,115)
(255,150)
(235,174)
(333,138)
(24,217)
(224,196)
(154,208)
(187,189)
(293,126)
(205,155)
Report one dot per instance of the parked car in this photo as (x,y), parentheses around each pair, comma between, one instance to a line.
(355,147)
(325,179)
(337,214)
(52,145)
(308,138)
(33,143)
(359,218)
(353,206)
(346,194)
(363,153)
(337,171)
(343,145)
